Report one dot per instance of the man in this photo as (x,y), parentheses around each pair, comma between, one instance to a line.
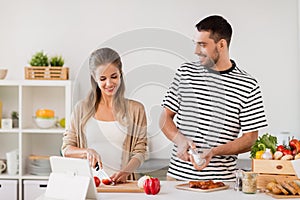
(213,100)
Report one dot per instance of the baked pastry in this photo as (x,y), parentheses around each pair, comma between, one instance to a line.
(295,186)
(288,187)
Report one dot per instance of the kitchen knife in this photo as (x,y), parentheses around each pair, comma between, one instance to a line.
(102,174)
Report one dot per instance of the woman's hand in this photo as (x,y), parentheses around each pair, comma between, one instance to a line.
(93,157)
(120,177)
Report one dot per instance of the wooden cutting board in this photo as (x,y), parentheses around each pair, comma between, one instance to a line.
(186,186)
(282,196)
(128,187)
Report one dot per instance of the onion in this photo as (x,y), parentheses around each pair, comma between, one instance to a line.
(141,181)
(278,155)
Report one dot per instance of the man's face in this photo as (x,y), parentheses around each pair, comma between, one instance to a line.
(206,49)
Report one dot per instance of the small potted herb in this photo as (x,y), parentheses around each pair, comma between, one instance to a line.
(39,59)
(57,61)
(15,119)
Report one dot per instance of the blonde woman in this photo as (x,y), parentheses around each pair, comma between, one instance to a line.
(107,128)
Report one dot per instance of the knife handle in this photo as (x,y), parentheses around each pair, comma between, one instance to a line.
(97,166)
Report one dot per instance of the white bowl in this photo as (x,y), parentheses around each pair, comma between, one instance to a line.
(45,122)
(3,73)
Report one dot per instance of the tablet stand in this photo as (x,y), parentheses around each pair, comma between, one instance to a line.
(67,186)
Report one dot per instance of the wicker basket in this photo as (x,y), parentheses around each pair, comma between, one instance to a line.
(47,73)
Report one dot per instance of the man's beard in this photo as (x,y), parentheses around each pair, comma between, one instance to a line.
(211,61)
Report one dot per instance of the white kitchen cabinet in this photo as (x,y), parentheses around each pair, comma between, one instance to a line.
(25,97)
(9,189)
(34,188)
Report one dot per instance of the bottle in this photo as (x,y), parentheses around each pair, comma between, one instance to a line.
(197,157)
(267,155)
(238,180)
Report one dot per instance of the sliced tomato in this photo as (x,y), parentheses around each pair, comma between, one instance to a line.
(106,181)
(97,181)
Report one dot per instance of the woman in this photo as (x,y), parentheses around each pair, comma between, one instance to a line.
(105,125)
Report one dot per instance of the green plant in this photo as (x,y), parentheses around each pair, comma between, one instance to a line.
(14,115)
(57,61)
(39,59)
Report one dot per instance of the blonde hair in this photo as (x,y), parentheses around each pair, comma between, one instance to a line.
(104,56)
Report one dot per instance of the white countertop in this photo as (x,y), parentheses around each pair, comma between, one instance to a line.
(169,192)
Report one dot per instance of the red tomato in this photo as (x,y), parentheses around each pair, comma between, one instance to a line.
(295,144)
(287,152)
(106,181)
(97,181)
(280,148)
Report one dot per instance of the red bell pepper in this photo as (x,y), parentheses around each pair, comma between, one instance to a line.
(295,144)
(152,186)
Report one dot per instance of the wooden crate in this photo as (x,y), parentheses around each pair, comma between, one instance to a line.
(264,179)
(270,170)
(273,167)
(47,73)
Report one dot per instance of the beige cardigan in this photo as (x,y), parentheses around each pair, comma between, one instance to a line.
(135,143)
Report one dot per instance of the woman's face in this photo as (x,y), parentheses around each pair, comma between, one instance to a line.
(108,78)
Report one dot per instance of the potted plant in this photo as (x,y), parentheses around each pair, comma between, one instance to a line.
(43,68)
(39,59)
(57,61)
(15,119)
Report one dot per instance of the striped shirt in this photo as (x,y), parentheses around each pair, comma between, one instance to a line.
(211,109)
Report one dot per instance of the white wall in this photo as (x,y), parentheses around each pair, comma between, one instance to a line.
(265,43)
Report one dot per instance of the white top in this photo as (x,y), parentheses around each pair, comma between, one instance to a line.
(107,138)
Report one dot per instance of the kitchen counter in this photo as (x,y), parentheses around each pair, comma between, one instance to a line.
(169,192)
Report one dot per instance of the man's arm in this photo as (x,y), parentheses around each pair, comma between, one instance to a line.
(170,130)
(240,145)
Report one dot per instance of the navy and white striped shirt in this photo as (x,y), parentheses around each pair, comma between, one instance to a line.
(211,109)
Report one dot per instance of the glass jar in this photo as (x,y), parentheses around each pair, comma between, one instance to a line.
(249,182)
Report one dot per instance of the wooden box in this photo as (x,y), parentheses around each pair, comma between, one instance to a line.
(270,170)
(264,179)
(273,167)
(47,73)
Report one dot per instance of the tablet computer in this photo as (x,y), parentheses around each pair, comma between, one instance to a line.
(70,176)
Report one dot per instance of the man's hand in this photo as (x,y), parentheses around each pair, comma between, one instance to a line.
(207,155)
(183,145)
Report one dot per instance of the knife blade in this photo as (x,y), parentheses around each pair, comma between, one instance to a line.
(102,174)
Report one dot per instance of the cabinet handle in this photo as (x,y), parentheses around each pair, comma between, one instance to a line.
(43,185)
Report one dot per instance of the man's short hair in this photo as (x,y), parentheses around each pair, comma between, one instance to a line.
(218,27)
